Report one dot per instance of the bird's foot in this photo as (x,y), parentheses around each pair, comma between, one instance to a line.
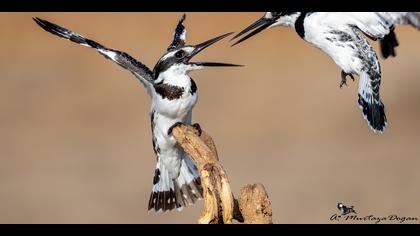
(198,128)
(173,126)
(344,78)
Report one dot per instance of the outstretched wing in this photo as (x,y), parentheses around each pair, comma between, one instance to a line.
(144,74)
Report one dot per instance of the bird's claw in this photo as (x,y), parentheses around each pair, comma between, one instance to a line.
(344,78)
(343,82)
(198,128)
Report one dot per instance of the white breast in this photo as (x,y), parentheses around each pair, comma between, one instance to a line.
(319,28)
(175,108)
(170,154)
(168,112)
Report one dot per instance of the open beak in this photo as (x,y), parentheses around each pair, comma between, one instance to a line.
(259,25)
(200,47)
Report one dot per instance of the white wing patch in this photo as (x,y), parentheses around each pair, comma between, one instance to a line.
(111,54)
(365,89)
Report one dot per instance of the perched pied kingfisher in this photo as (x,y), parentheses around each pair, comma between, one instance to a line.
(176,182)
(339,34)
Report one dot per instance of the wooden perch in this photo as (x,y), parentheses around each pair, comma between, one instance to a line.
(220,206)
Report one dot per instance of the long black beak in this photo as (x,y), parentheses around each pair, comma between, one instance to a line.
(260,24)
(200,47)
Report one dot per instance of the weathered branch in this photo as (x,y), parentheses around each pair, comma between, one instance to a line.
(220,206)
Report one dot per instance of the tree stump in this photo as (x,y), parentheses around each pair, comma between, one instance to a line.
(220,206)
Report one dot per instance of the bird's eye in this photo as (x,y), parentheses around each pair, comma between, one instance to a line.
(180,54)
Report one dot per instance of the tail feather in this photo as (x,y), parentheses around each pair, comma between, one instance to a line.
(162,197)
(169,194)
(189,190)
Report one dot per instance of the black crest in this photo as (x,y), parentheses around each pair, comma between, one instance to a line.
(179,35)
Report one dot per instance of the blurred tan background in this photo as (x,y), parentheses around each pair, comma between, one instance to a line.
(75,140)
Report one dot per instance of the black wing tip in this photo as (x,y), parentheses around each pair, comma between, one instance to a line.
(374,115)
(377,128)
(388,51)
(65,33)
(388,45)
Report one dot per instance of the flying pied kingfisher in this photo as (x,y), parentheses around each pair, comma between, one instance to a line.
(176,182)
(339,34)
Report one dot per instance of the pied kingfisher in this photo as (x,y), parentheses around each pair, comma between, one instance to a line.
(176,182)
(339,34)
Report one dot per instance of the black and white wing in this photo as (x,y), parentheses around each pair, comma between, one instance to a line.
(142,72)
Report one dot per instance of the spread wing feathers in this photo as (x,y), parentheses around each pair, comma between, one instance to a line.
(180,35)
(168,193)
(369,85)
(121,58)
